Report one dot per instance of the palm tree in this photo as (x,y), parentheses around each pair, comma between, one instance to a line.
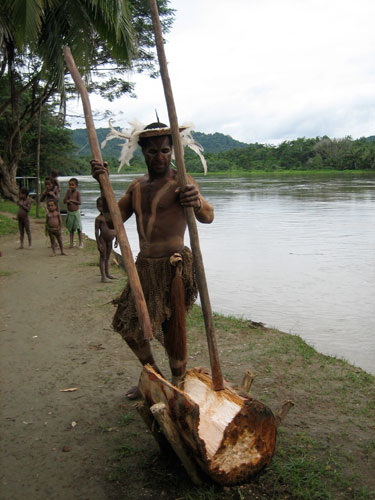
(32,35)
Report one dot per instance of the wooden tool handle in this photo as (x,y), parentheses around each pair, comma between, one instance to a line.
(114,210)
(217,377)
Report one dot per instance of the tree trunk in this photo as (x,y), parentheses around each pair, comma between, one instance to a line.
(8,184)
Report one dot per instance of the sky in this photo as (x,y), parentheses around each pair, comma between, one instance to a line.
(263,70)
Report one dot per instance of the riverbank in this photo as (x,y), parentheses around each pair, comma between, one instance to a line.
(89,443)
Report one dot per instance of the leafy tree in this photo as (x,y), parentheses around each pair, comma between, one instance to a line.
(101,35)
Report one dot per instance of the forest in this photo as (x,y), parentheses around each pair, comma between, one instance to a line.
(67,150)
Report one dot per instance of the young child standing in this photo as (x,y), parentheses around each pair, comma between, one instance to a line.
(54,226)
(54,176)
(24,203)
(104,237)
(50,193)
(73,218)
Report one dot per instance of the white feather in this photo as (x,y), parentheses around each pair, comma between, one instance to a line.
(132,136)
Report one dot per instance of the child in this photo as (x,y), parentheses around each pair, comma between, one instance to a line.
(53,226)
(54,176)
(50,193)
(24,203)
(73,218)
(104,237)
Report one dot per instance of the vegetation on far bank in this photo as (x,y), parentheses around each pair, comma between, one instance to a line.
(61,150)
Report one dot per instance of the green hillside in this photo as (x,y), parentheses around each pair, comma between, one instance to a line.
(212,143)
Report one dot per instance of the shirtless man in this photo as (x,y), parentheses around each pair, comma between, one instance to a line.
(54,226)
(104,238)
(73,218)
(158,204)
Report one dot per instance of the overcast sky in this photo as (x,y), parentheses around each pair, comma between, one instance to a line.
(264,70)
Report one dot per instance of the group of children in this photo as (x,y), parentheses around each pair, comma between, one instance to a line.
(50,200)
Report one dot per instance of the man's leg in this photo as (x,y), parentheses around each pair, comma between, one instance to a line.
(142,349)
(177,351)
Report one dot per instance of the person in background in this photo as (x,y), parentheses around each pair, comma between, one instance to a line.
(73,218)
(50,193)
(104,238)
(54,176)
(24,204)
(54,227)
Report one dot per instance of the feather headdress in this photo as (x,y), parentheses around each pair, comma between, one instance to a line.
(137,130)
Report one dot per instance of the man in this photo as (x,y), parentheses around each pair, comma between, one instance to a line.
(158,204)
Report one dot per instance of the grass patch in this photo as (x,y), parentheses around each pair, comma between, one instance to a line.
(7,225)
(3,274)
(12,208)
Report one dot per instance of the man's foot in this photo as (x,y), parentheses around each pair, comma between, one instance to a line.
(133,393)
(30,247)
(105,280)
(19,248)
(71,246)
(111,277)
(80,245)
(63,253)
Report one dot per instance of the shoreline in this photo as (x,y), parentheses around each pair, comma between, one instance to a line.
(90,442)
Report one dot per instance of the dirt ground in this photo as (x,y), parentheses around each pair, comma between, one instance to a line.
(67,431)
(56,335)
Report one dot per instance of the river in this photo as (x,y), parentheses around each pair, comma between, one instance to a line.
(295,253)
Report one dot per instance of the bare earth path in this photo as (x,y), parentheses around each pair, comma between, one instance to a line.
(55,335)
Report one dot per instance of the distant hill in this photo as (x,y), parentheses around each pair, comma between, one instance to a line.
(212,143)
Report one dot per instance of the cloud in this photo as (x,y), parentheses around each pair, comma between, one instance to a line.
(266,71)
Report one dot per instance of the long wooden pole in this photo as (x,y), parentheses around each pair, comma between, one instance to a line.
(107,190)
(217,377)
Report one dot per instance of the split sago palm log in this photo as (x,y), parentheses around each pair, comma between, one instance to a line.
(230,437)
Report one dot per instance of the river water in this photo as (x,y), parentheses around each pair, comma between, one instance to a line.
(294,253)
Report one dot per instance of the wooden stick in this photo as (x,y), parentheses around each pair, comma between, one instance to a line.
(247,380)
(283,411)
(217,377)
(159,411)
(107,190)
(144,411)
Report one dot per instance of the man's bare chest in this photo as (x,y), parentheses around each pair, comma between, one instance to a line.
(156,197)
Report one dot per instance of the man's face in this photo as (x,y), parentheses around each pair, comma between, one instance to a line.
(49,185)
(157,153)
(72,185)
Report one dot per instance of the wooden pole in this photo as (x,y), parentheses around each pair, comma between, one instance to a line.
(107,190)
(38,163)
(217,377)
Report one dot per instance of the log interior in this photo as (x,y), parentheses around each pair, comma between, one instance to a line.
(216,409)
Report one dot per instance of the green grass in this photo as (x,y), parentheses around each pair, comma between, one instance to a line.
(7,225)
(12,208)
(4,274)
